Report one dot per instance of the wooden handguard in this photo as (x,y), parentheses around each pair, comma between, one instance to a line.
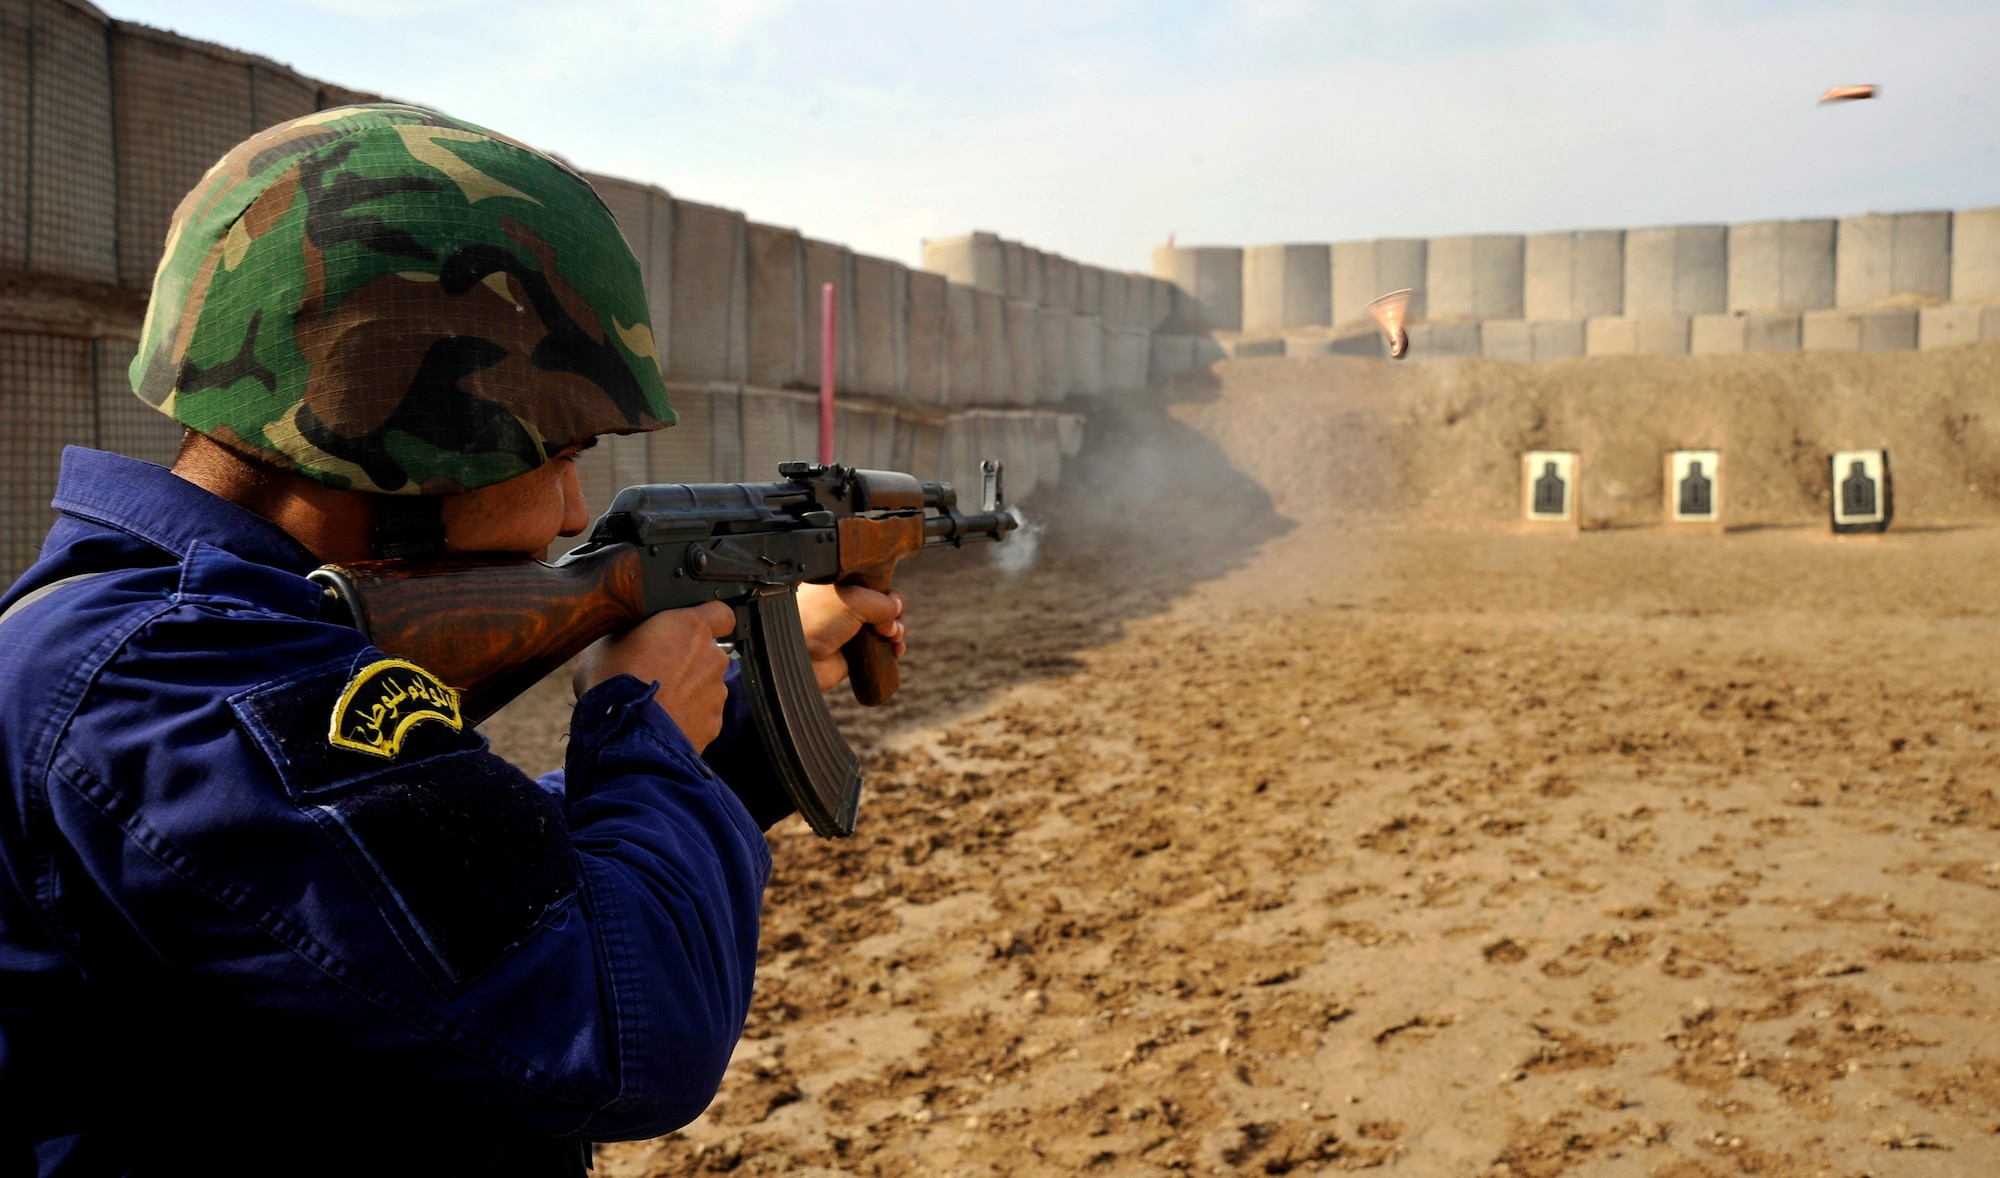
(491,627)
(870,549)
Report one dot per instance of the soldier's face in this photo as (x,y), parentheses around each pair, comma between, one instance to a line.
(523,515)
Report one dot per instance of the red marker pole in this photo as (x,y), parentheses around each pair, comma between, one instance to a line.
(826,315)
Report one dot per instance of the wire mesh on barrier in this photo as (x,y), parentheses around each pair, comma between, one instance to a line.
(709,292)
(71,188)
(924,346)
(777,306)
(178,111)
(124,422)
(47,401)
(15,90)
(684,453)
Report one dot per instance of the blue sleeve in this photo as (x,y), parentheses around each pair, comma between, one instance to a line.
(661,840)
(576,965)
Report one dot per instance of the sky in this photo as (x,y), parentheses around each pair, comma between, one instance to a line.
(1096,128)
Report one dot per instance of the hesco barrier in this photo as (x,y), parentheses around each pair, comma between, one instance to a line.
(1903,281)
(1781,265)
(924,359)
(1886,256)
(1573,275)
(59,186)
(880,309)
(179,105)
(61,390)
(1474,277)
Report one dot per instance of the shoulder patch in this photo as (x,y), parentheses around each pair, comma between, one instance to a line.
(383,701)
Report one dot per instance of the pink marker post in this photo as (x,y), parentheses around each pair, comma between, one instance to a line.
(826,315)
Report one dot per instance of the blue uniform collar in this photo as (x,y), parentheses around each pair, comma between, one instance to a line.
(168,512)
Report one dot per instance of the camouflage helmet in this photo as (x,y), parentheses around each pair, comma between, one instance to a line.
(385,299)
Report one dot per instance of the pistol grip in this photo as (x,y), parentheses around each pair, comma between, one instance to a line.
(871,658)
(871,664)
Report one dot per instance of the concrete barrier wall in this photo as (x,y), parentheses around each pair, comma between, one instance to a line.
(1710,335)
(1056,377)
(1781,265)
(1211,278)
(1090,290)
(1165,304)
(709,295)
(1957,323)
(1883,329)
(56,390)
(975,260)
(1889,256)
(1013,269)
(1024,352)
(1638,335)
(1062,284)
(1474,277)
(777,314)
(1975,255)
(1445,341)
(881,297)
(1573,275)
(1676,270)
(829,263)
(57,181)
(964,368)
(1287,286)
(179,104)
(924,352)
(1365,270)
(1127,359)
(996,356)
(1526,341)
(1117,297)
(645,215)
(1086,355)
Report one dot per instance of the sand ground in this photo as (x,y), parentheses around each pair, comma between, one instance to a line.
(1222,840)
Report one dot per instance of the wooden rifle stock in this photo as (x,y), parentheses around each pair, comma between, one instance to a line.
(491,627)
(870,549)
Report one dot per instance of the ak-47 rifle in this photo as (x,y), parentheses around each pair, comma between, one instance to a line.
(493,627)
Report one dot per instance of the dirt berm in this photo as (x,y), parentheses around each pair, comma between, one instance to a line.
(1439,443)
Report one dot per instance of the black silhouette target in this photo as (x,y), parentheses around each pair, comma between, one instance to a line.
(1859,486)
(1548,492)
(1694,486)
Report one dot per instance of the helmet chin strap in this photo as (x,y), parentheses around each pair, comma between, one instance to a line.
(408,527)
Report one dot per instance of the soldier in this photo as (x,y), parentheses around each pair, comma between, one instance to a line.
(232,938)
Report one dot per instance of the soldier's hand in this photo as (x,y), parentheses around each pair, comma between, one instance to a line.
(675,648)
(832,614)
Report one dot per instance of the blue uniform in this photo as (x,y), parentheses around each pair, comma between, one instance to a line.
(228,942)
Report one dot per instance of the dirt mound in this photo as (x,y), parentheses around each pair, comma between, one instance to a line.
(1439,443)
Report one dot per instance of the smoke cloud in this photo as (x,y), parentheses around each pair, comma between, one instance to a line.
(1016,554)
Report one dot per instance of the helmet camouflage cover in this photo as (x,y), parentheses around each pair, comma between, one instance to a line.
(385,299)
